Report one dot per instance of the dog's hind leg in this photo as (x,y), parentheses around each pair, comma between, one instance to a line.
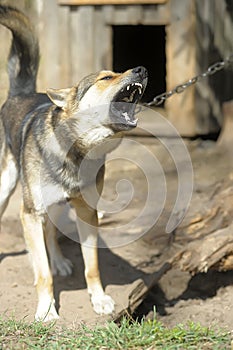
(88,232)
(34,237)
(8,179)
(58,263)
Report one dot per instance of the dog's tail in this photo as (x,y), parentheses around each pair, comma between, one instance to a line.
(24,54)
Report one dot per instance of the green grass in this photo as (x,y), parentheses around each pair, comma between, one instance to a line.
(127,335)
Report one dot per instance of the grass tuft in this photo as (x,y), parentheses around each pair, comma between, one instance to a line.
(128,334)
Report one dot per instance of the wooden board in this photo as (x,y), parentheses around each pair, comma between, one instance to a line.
(109,2)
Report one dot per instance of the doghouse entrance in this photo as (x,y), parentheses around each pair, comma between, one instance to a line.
(141,45)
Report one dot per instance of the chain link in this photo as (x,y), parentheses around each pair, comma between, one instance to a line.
(159,99)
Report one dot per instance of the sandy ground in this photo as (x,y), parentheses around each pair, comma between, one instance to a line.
(178,297)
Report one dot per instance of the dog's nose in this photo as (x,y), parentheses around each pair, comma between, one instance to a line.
(140,70)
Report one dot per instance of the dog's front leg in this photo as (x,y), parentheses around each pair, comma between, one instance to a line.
(88,232)
(59,265)
(34,237)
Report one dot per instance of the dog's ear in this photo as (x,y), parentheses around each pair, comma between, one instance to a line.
(59,97)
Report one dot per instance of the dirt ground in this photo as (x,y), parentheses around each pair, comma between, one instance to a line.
(178,296)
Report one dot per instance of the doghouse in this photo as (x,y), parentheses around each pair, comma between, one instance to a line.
(174,39)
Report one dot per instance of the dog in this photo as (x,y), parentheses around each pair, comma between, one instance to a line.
(45,138)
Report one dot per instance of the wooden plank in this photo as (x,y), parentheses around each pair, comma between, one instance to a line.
(202,62)
(137,14)
(109,2)
(5,40)
(211,91)
(225,138)
(64,59)
(102,42)
(181,60)
(48,29)
(81,49)
(134,14)
(108,11)
(120,15)
(228,30)
(156,15)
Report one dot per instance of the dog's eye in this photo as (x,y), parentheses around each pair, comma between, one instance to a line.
(107,77)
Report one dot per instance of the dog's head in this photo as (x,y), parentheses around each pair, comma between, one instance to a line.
(105,98)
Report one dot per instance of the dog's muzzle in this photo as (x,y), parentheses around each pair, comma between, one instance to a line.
(122,108)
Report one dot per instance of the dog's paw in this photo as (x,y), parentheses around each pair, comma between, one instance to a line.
(61,266)
(46,313)
(103,304)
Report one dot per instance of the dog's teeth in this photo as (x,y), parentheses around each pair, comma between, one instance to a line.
(125,114)
(134,122)
(128,87)
(132,96)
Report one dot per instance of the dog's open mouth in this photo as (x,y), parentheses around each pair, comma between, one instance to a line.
(123,106)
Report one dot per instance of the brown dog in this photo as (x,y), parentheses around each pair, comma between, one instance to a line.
(44,139)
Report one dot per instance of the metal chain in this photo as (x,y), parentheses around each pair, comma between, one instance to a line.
(159,99)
